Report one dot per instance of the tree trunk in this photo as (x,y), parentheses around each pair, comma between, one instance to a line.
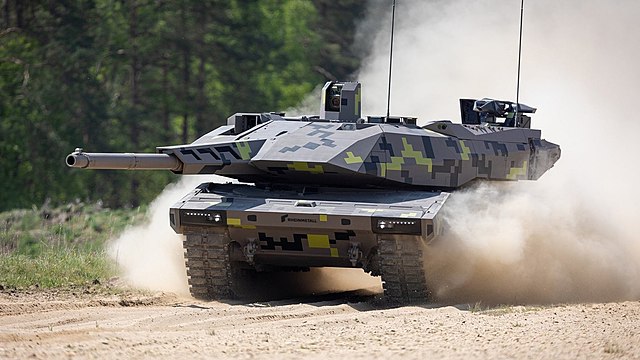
(186,75)
(19,14)
(166,125)
(186,59)
(6,17)
(201,99)
(134,129)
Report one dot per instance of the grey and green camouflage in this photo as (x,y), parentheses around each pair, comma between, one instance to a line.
(334,189)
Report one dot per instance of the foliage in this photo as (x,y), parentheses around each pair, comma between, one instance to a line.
(73,227)
(61,246)
(116,75)
(55,268)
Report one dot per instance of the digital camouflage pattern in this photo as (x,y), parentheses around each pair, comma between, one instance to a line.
(334,189)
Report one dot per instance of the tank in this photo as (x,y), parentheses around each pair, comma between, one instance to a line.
(335,189)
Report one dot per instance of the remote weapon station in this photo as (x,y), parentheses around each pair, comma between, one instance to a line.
(333,190)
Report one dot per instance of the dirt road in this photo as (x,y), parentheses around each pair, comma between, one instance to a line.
(128,325)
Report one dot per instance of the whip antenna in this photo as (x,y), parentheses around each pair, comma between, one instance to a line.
(519,58)
(393,20)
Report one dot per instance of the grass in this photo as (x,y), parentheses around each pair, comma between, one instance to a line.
(613,348)
(497,310)
(59,247)
(54,269)
(477,307)
(75,226)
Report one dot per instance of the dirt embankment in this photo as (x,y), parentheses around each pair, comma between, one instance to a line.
(94,325)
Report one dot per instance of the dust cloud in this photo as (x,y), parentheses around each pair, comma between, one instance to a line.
(150,254)
(572,235)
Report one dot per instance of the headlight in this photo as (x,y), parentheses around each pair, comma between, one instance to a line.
(203,217)
(216,218)
(396,226)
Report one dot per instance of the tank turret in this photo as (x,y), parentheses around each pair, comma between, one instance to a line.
(339,147)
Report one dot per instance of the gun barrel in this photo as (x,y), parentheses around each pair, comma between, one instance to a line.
(123,161)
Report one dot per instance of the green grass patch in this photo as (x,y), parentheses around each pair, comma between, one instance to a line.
(56,268)
(59,247)
(75,227)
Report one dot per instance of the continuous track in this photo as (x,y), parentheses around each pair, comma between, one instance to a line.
(402,269)
(208,266)
(212,276)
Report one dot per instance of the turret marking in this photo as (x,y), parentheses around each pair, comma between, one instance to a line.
(395,164)
(514,172)
(244,149)
(304,166)
(190,152)
(289,149)
(409,153)
(498,148)
(227,149)
(465,151)
(208,151)
(352,159)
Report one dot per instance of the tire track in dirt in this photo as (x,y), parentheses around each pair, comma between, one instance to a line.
(318,328)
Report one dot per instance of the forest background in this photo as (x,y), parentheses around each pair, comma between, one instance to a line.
(130,75)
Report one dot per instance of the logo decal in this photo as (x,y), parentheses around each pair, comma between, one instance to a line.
(286,218)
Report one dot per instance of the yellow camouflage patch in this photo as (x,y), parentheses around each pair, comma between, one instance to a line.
(395,164)
(318,241)
(515,172)
(244,149)
(304,166)
(464,154)
(235,222)
(351,159)
(409,153)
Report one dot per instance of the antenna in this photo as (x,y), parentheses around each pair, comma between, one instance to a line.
(519,58)
(393,20)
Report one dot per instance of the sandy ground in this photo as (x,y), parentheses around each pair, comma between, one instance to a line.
(90,324)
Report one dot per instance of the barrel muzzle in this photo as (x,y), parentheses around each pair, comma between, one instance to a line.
(123,161)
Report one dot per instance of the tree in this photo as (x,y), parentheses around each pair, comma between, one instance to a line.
(130,75)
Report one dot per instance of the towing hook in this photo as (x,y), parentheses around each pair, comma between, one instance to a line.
(355,254)
(250,250)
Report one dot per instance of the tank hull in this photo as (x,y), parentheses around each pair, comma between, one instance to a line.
(317,228)
(266,229)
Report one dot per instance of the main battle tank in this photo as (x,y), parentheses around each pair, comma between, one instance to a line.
(333,190)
